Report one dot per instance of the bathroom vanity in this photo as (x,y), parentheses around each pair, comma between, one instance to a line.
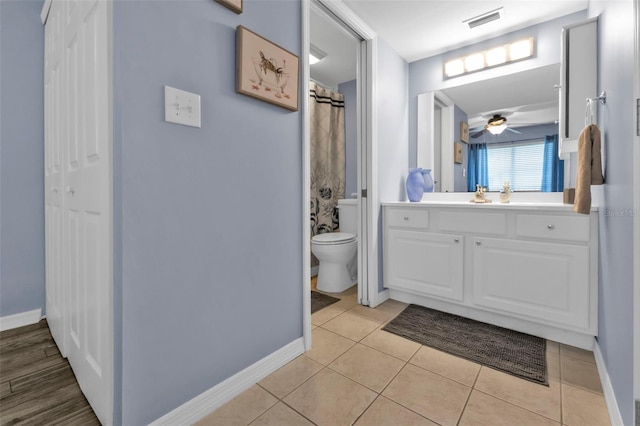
(531,267)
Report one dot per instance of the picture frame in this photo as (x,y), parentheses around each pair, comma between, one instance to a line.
(464,131)
(457,153)
(266,71)
(235,5)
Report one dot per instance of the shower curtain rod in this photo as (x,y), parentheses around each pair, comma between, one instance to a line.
(324,86)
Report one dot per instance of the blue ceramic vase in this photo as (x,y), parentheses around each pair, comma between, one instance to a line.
(428,180)
(415,185)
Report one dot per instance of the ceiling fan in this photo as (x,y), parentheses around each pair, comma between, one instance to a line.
(496,125)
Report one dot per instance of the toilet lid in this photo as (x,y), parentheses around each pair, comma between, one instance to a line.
(333,238)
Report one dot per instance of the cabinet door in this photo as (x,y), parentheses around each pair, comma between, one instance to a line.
(544,281)
(424,263)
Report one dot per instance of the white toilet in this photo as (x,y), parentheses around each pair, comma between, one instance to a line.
(337,251)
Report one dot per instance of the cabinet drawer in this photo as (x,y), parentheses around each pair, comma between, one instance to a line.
(553,227)
(473,221)
(407,218)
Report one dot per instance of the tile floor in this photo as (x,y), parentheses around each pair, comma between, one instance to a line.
(358,374)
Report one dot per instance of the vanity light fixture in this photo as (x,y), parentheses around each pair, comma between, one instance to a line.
(500,55)
(315,55)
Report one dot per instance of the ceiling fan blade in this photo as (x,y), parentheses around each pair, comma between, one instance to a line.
(513,130)
(477,134)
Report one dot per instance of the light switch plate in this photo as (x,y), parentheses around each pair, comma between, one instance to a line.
(181,107)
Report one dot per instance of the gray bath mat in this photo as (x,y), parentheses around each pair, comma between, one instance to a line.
(319,301)
(516,353)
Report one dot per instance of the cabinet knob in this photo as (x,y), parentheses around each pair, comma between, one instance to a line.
(406,218)
(54,189)
(478,243)
(551,227)
(456,240)
(70,190)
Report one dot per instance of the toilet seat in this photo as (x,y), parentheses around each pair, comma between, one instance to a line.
(333,238)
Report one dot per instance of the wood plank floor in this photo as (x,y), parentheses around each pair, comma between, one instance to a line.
(37,386)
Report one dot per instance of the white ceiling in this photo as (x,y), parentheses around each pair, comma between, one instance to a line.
(417,29)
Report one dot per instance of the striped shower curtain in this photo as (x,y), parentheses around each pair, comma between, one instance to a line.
(326,110)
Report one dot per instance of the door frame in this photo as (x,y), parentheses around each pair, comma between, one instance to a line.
(636,212)
(425,136)
(368,208)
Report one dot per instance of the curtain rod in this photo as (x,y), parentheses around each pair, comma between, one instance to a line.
(541,139)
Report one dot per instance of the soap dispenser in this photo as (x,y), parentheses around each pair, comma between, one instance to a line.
(505,192)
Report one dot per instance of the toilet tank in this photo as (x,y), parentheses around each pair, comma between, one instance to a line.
(348,219)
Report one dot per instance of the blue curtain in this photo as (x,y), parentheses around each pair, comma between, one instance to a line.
(478,168)
(553,166)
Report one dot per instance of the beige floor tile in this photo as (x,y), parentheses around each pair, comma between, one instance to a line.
(346,302)
(583,408)
(581,374)
(384,412)
(450,366)
(329,398)
(573,352)
(368,367)
(325,314)
(543,400)
(327,346)
(378,314)
(394,304)
(483,409)
(289,377)
(241,410)
(280,415)
(351,326)
(428,394)
(553,361)
(391,344)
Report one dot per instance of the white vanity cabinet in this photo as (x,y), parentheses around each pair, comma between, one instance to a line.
(529,268)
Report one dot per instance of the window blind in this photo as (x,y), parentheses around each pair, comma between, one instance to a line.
(520,164)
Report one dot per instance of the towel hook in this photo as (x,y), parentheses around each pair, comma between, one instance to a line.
(602,98)
(589,109)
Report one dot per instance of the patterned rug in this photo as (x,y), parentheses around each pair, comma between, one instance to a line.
(516,353)
(319,301)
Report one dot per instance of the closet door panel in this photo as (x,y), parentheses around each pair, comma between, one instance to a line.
(53,175)
(85,188)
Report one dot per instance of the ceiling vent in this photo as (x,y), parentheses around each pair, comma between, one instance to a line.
(485,18)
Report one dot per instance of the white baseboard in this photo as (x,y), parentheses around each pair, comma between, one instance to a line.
(20,320)
(609,396)
(205,403)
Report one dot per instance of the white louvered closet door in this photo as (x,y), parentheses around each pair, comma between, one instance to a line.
(79,246)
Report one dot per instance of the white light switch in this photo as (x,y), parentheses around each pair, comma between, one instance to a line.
(181,107)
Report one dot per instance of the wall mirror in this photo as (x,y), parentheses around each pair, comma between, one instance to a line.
(528,100)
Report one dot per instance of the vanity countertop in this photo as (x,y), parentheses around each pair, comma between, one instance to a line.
(543,206)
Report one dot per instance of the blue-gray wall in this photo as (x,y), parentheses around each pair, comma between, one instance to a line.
(349,90)
(426,75)
(208,221)
(392,132)
(615,75)
(21,157)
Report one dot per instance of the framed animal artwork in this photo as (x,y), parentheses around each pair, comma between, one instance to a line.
(265,70)
(457,153)
(464,131)
(235,5)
